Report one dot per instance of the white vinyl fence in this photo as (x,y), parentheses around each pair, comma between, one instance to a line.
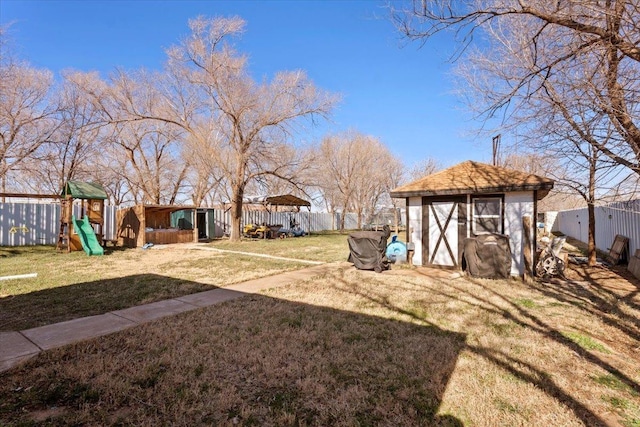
(25,224)
(609,222)
(310,222)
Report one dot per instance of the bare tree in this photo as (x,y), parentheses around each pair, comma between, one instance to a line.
(588,50)
(339,163)
(204,177)
(422,168)
(207,92)
(579,166)
(113,174)
(26,114)
(156,171)
(354,172)
(375,180)
(396,175)
(72,152)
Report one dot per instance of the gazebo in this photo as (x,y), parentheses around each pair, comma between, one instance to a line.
(273,203)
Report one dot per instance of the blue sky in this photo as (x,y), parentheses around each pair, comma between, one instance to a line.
(391,89)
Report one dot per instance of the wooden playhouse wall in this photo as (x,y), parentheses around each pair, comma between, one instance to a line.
(130,226)
(133,222)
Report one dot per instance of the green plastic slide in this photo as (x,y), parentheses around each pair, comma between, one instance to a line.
(87,236)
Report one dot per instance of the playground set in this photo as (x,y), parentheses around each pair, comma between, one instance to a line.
(84,233)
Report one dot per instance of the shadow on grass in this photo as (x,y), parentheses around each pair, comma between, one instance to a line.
(564,292)
(6,252)
(603,299)
(54,305)
(256,360)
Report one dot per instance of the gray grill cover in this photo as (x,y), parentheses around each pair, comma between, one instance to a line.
(488,256)
(367,249)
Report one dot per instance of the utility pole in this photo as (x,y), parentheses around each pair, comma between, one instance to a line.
(496,149)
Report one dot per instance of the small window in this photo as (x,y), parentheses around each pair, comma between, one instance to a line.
(487,215)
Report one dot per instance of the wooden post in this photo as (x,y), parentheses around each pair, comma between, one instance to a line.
(194,214)
(527,252)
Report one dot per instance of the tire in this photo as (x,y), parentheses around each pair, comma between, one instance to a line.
(541,270)
(550,266)
(560,267)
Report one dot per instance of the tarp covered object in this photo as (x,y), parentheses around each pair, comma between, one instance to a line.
(367,249)
(488,256)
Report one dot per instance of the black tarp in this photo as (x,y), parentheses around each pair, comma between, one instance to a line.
(367,249)
(488,256)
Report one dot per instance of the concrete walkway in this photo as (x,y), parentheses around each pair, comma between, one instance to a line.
(17,347)
(202,247)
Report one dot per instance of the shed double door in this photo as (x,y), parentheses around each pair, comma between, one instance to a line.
(444,230)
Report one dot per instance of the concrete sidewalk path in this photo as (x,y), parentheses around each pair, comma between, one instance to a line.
(16,347)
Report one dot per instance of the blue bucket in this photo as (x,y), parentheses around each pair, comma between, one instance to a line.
(396,251)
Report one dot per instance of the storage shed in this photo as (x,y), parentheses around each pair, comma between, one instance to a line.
(466,200)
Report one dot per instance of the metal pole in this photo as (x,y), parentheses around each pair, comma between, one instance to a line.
(496,149)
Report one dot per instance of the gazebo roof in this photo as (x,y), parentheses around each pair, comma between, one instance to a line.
(474,178)
(283,200)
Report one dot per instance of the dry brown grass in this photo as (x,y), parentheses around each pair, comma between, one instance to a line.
(327,247)
(75,285)
(356,348)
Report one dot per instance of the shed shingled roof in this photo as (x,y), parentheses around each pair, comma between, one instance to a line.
(474,178)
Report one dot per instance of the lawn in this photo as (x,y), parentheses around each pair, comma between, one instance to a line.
(327,247)
(71,285)
(356,348)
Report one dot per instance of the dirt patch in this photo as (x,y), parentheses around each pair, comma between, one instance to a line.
(45,414)
(616,278)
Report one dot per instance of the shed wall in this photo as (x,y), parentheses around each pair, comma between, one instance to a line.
(517,205)
(414,207)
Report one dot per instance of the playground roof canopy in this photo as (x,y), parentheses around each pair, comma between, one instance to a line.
(84,190)
(283,200)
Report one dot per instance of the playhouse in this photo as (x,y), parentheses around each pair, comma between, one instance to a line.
(466,200)
(158,224)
